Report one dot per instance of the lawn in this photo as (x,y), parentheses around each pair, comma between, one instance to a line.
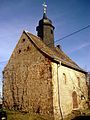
(13,115)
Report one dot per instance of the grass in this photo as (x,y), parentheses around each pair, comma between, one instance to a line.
(13,115)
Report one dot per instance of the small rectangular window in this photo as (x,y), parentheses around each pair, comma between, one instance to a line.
(23,40)
(51,31)
(19,51)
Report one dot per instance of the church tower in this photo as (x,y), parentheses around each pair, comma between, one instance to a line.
(45,29)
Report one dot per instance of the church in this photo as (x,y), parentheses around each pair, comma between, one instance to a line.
(40,78)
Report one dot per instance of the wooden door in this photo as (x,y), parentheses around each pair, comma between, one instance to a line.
(74,98)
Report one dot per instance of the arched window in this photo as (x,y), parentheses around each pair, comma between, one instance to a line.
(64,78)
(78,81)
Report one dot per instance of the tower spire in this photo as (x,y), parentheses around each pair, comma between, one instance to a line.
(44,10)
(45,29)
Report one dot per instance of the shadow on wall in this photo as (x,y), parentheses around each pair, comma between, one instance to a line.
(82,118)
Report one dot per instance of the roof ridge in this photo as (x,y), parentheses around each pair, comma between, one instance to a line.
(52,53)
(31,34)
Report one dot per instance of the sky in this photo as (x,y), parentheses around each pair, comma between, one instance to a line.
(67,16)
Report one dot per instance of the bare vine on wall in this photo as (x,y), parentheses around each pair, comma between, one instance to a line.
(16,78)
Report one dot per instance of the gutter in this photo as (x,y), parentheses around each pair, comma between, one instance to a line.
(59,101)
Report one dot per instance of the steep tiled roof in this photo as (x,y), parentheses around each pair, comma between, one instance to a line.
(55,53)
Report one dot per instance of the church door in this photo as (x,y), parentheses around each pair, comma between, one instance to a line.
(75,102)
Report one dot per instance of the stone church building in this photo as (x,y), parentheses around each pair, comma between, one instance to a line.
(41,78)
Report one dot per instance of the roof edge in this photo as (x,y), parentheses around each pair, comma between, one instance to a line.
(54,58)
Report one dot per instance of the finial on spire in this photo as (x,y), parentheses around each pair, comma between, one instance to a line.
(44,8)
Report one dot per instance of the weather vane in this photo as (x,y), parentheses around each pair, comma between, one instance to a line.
(44,7)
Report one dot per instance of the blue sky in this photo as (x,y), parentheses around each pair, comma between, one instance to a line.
(67,16)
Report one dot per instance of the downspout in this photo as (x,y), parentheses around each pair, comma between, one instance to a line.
(60,110)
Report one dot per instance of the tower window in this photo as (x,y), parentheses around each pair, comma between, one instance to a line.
(51,31)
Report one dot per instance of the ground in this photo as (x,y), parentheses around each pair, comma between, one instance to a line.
(14,115)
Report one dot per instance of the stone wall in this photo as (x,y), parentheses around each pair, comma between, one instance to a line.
(27,84)
(66,83)
(32,83)
(75,83)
